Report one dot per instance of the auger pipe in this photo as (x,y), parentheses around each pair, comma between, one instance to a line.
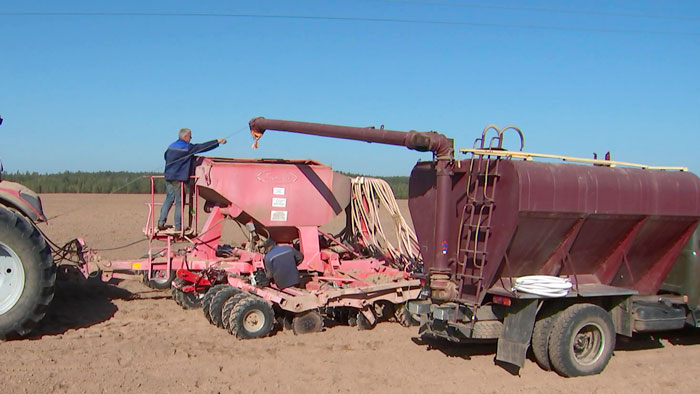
(416,140)
(439,144)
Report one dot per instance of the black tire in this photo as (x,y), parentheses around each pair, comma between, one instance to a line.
(206,300)
(185,300)
(363,323)
(384,310)
(307,323)
(217,304)
(251,317)
(22,246)
(582,340)
(540,340)
(228,307)
(161,283)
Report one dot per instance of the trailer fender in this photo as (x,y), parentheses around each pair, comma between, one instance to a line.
(517,331)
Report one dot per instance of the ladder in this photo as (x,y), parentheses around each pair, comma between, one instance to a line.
(475,228)
(475,223)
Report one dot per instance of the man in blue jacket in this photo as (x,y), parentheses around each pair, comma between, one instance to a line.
(281,264)
(178,163)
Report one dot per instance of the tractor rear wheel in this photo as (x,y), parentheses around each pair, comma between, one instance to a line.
(217,304)
(582,340)
(251,317)
(27,275)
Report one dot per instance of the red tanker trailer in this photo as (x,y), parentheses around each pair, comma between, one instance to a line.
(559,257)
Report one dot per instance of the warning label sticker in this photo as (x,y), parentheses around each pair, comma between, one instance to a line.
(279,202)
(278,191)
(278,216)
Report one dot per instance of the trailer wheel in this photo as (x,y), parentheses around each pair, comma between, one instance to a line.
(582,340)
(540,340)
(27,275)
(217,304)
(251,317)
(206,300)
(186,300)
(307,322)
(228,307)
(161,279)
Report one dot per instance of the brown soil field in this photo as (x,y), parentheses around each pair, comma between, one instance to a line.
(125,337)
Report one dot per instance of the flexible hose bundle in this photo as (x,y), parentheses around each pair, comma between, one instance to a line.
(543,285)
(368,195)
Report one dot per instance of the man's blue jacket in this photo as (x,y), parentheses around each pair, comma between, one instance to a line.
(178,158)
(281,262)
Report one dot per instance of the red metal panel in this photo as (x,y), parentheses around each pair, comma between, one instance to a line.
(277,193)
(641,214)
(651,281)
(554,263)
(612,264)
(548,187)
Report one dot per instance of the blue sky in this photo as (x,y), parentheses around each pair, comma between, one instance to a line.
(108,90)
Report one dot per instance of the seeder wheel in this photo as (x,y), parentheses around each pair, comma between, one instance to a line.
(217,304)
(185,300)
(162,279)
(228,307)
(384,310)
(206,300)
(251,317)
(363,323)
(307,322)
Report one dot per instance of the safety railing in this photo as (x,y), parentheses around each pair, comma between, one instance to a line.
(189,211)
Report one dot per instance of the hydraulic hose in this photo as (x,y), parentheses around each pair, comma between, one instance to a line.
(543,285)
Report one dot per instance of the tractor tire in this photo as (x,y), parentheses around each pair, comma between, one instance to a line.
(540,340)
(228,307)
(307,323)
(206,300)
(217,304)
(251,317)
(27,275)
(162,282)
(185,300)
(582,340)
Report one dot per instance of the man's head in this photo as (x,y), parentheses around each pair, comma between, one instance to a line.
(185,135)
(269,244)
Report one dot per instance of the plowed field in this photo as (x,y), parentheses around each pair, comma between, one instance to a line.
(125,337)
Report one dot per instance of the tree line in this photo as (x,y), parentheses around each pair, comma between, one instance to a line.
(127,182)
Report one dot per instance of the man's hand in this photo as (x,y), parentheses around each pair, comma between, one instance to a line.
(222,140)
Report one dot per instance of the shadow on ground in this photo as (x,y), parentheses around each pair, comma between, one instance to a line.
(80,304)
(462,350)
(643,341)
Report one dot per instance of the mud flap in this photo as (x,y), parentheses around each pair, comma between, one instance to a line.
(517,331)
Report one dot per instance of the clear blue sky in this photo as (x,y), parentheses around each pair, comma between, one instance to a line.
(108,90)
